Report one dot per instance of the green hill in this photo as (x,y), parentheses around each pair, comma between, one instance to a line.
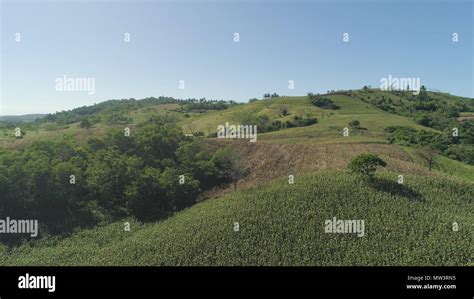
(284,224)
(329,126)
(279,223)
(20,118)
(374,109)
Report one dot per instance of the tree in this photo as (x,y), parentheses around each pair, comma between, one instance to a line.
(270,95)
(429,155)
(108,176)
(366,165)
(354,124)
(283,110)
(423,95)
(232,168)
(237,171)
(85,124)
(179,194)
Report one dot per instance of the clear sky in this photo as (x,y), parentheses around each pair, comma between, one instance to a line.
(194,41)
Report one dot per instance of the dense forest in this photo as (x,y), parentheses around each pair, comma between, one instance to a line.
(149,174)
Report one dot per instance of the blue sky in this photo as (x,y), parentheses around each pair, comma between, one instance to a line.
(194,41)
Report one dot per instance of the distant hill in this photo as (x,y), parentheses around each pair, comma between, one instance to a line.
(20,118)
(280,119)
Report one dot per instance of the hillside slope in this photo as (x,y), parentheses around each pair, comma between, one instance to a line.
(329,126)
(283,224)
(270,161)
(361,105)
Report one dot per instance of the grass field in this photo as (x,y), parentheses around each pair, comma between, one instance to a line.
(330,122)
(283,224)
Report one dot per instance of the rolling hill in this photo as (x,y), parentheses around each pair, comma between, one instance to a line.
(20,118)
(360,105)
(281,223)
(284,224)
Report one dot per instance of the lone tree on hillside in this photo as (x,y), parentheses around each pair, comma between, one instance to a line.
(85,124)
(429,155)
(237,171)
(366,165)
(232,165)
(354,124)
(423,95)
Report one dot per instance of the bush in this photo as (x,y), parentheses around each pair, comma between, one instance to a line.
(320,102)
(85,123)
(461,152)
(409,136)
(300,122)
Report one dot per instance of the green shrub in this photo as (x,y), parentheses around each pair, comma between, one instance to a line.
(354,124)
(321,102)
